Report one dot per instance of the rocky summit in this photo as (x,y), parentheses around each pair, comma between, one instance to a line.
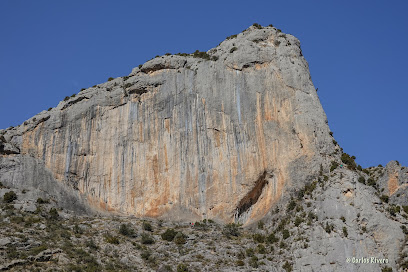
(234,139)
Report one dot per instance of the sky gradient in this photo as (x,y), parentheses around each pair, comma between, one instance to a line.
(356,54)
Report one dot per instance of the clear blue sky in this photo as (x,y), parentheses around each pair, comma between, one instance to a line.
(357,53)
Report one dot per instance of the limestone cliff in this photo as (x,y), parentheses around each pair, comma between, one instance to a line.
(219,135)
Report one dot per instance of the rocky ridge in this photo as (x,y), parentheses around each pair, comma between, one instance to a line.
(211,135)
(306,205)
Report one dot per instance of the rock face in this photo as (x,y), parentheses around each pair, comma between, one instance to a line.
(361,228)
(220,137)
(394,181)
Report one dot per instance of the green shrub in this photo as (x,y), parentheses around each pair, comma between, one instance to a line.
(200,226)
(343,219)
(183,54)
(180,238)
(261,249)
(231,230)
(281,224)
(258,238)
(65,234)
(214,58)
(361,179)
(300,194)
(345,232)
(202,55)
(127,230)
(53,214)
(333,166)
(394,209)
(310,187)
(282,244)
(328,227)
(405,208)
(384,198)
(147,226)
(349,160)
(250,252)
(291,205)
(285,234)
(231,37)
(91,244)
(66,98)
(42,201)
(258,26)
(241,255)
(298,221)
(147,239)
(240,263)
(9,197)
(272,238)
(77,230)
(371,182)
(145,255)
(17,219)
(29,221)
(182,268)
(49,109)
(287,266)
(169,234)
(111,239)
(253,262)
(276,42)
(110,79)
(312,216)
(261,224)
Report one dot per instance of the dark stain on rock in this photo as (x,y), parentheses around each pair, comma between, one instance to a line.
(252,196)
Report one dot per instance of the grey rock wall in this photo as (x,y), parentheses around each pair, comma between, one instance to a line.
(189,137)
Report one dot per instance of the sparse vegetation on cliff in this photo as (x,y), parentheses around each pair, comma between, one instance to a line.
(9,197)
(349,160)
(258,26)
(202,55)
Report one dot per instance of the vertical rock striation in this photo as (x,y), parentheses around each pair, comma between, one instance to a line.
(187,137)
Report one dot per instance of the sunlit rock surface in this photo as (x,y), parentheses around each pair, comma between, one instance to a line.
(188,138)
